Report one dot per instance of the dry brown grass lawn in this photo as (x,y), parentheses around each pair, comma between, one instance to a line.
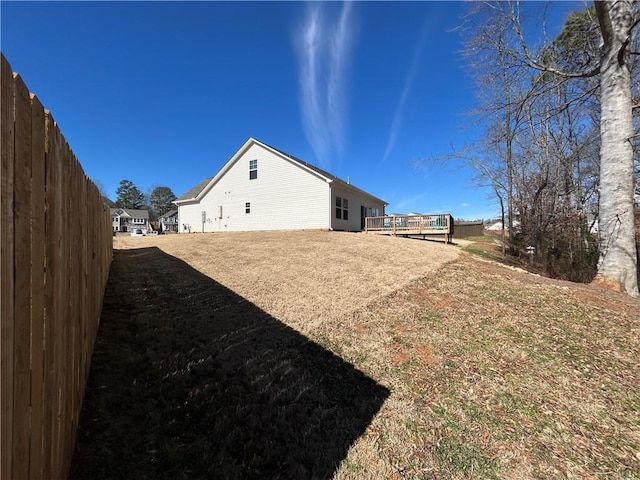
(493,372)
(304,279)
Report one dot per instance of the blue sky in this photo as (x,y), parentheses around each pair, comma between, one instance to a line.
(164,93)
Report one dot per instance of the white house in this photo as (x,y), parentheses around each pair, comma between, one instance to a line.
(263,188)
(128,219)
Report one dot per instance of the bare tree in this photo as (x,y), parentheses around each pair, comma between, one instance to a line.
(101,187)
(502,92)
(618,263)
(574,56)
(555,184)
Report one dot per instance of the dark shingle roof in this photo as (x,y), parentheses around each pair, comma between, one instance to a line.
(169,214)
(306,164)
(131,212)
(193,193)
(320,171)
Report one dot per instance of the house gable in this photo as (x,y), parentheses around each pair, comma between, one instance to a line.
(263,188)
(200,190)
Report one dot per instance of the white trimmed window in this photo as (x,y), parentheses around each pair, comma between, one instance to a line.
(247,207)
(253,169)
(342,208)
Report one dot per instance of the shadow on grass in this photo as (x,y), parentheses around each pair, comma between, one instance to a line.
(190,380)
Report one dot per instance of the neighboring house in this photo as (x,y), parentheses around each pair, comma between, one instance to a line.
(127,219)
(169,221)
(497,226)
(263,188)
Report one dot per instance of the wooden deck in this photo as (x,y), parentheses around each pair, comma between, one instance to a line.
(437,224)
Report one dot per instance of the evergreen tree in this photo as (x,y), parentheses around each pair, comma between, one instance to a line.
(160,200)
(129,196)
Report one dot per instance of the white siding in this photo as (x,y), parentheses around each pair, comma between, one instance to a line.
(189,218)
(285,196)
(356,200)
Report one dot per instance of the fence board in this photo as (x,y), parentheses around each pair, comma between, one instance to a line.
(22,279)
(57,324)
(51,269)
(73,351)
(38,139)
(53,280)
(6,270)
(64,399)
(84,210)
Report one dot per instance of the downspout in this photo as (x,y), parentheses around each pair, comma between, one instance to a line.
(329,182)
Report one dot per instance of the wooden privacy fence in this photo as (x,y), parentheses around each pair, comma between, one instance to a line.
(56,248)
(469,229)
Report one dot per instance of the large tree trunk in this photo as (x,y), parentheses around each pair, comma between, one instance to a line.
(618,263)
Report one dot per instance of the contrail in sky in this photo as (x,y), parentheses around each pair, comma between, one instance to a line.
(396,124)
(323,55)
(407,201)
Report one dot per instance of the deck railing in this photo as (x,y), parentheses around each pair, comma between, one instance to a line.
(436,224)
